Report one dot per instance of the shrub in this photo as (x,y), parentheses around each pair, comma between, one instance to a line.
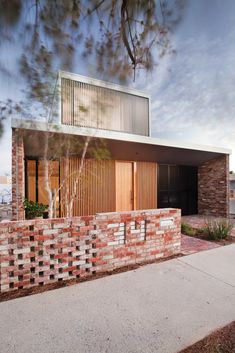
(33,209)
(188,230)
(217,229)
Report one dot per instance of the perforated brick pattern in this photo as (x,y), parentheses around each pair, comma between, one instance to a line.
(39,252)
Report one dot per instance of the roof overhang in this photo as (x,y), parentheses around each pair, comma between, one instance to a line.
(104,84)
(123,145)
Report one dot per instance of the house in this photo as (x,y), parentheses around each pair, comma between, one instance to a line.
(232,185)
(232,193)
(5,197)
(5,180)
(140,172)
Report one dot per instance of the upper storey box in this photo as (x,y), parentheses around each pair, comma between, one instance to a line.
(90,103)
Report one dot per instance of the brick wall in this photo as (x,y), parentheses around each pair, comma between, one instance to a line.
(213,187)
(38,252)
(17,175)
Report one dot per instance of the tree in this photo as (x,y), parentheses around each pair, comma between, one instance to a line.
(62,147)
(117,36)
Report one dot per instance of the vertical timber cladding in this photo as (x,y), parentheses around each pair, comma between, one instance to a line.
(88,105)
(124,186)
(146,185)
(95,191)
(142,194)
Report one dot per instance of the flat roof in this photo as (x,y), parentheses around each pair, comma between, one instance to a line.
(112,135)
(100,83)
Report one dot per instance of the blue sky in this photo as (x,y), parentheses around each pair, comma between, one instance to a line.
(193,95)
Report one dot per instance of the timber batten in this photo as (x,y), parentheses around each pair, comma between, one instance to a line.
(146,185)
(87,105)
(97,187)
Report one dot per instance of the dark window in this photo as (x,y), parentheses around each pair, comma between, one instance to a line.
(177,187)
(163,180)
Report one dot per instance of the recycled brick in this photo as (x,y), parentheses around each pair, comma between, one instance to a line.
(213,187)
(40,252)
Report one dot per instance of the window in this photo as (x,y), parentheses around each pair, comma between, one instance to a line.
(35,172)
(177,187)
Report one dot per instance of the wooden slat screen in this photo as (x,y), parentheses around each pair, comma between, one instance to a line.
(96,187)
(96,191)
(146,185)
(91,106)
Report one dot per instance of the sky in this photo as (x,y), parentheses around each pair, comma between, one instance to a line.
(193,95)
(192,91)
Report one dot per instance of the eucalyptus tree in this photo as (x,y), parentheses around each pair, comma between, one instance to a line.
(115,37)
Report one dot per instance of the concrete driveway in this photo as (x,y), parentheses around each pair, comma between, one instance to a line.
(157,308)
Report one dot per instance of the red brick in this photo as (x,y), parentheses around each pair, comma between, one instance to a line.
(90,254)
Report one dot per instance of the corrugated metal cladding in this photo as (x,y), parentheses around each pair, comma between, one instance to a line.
(87,105)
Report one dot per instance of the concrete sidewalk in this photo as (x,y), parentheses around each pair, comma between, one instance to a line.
(157,308)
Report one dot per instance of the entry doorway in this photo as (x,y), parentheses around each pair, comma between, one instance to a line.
(124,186)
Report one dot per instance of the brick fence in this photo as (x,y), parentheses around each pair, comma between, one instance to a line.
(43,251)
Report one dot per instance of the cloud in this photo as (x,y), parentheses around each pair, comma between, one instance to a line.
(193,95)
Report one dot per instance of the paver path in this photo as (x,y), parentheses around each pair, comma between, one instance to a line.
(191,245)
(158,308)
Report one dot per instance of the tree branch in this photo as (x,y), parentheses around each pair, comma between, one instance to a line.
(123,30)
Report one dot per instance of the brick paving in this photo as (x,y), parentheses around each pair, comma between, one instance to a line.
(191,245)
